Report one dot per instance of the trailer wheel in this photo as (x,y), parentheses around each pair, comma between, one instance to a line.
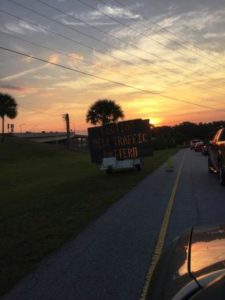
(138,167)
(109,171)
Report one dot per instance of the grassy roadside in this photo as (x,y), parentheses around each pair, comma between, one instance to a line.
(48,196)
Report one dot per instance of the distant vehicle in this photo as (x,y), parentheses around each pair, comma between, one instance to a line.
(192,268)
(216,158)
(193,142)
(198,146)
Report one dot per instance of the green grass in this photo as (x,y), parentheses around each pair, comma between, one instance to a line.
(47,196)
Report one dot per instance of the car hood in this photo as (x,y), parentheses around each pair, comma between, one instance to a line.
(194,260)
(207,253)
(171,274)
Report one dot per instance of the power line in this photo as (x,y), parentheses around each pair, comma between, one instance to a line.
(95,27)
(155,40)
(74,29)
(85,34)
(48,31)
(180,42)
(128,26)
(47,48)
(124,25)
(103,31)
(111,81)
(185,42)
(74,41)
(71,69)
(55,51)
(82,44)
(59,23)
(141,33)
(67,38)
(40,46)
(196,81)
(106,33)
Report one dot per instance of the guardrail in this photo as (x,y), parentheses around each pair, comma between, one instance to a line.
(76,140)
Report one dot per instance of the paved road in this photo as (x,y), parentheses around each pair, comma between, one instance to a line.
(111,258)
(200,199)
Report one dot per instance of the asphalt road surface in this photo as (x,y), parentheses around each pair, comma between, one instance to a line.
(111,258)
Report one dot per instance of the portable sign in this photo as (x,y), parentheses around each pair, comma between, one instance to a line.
(123,140)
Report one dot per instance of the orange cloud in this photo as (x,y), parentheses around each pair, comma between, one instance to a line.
(54,58)
(76,58)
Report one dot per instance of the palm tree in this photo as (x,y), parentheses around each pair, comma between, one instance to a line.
(8,108)
(104,112)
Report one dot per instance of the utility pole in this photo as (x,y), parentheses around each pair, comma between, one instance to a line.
(66,117)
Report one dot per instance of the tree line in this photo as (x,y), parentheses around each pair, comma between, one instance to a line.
(181,134)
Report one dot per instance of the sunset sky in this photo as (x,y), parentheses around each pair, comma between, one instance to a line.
(168,55)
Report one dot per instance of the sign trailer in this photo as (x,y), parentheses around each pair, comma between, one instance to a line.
(120,145)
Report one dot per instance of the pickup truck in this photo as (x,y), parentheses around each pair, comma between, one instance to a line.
(216,158)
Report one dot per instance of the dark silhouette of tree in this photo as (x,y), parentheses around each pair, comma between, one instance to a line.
(8,108)
(104,112)
(181,134)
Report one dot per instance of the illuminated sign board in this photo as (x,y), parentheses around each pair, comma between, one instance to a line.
(123,140)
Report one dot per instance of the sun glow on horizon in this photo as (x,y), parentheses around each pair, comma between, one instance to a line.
(156,121)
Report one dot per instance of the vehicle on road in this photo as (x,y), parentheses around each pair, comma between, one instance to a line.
(193,142)
(192,268)
(198,146)
(216,158)
(205,148)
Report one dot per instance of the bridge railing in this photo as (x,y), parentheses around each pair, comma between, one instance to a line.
(76,140)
